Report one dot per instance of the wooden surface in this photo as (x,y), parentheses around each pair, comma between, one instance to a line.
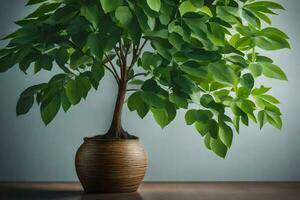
(159,191)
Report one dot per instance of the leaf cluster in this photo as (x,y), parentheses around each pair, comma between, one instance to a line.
(205,59)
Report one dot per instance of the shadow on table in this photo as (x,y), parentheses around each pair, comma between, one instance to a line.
(14,193)
(120,196)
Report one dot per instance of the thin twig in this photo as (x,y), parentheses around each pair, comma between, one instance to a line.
(136,54)
(141,48)
(115,76)
(112,65)
(117,53)
(132,90)
(139,74)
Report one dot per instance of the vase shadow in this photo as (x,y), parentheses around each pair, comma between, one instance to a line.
(112,196)
(15,193)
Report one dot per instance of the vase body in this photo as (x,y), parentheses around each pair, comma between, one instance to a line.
(111,165)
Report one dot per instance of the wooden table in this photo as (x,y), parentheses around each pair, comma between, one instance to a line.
(159,191)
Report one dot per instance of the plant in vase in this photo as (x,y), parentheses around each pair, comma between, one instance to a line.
(204,60)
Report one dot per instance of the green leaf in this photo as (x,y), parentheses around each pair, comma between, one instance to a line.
(216,34)
(171,112)
(123,15)
(269,98)
(32,2)
(204,115)
(95,43)
(134,101)
(61,57)
(154,4)
(226,135)
(223,73)
(273,71)
(260,90)
(73,91)
(191,116)
(92,13)
(272,31)
(45,62)
(201,127)
(247,80)
(206,10)
(136,82)
(271,42)
(251,18)
(218,147)
(178,100)
(246,106)
(65,103)
(32,90)
(267,4)
(207,100)
(24,104)
(97,71)
(7,62)
(261,118)
(235,109)
(44,9)
(263,17)
(152,86)
(194,69)
(176,40)
(160,116)
(50,108)
(150,60)
(77,60)
(153,99)
(110,5)
(228,13)
(243,92)
(207,141)
(213,128)
(186,7)
(84,85)
(197,3)
(274,120)
(255,69)
(236,123)
(142,110)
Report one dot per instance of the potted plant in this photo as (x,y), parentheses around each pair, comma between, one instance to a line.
(204,59)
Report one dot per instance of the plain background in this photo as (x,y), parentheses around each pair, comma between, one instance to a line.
(29,151)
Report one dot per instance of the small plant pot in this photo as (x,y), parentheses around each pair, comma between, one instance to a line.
(111,165)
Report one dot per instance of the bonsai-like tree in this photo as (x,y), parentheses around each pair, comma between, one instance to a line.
(204,59)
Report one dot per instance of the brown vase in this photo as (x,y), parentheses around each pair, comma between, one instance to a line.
(111,165)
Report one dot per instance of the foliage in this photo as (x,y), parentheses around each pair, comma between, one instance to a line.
(201,48)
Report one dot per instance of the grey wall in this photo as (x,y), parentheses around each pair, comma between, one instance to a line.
(29,151)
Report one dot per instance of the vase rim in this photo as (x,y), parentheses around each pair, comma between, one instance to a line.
(86,139)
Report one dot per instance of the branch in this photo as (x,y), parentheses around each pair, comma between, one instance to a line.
(132,90)
(123,65)
(141,48)
(127,49)
(121,50)
(138,74)
(66,70)
(115,76)
(136,54)
(112,65)
(117,53)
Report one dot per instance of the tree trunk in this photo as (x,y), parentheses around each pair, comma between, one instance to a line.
(116,130)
